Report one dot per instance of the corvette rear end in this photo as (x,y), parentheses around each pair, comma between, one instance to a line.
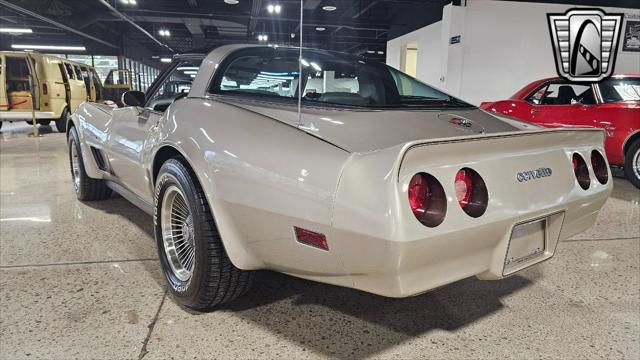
(457,207)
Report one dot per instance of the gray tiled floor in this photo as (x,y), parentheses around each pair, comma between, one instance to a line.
(81,281)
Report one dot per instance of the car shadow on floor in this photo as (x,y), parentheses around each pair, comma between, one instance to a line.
(347,323)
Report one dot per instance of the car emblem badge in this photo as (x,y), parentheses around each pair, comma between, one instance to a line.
(462,123)
(534,174)
(585,43)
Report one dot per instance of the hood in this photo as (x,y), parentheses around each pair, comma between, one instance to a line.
(358,130)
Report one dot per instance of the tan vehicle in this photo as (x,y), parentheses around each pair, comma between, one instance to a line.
(371,180)
(53,86)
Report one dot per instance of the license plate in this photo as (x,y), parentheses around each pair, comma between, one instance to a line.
(527,243)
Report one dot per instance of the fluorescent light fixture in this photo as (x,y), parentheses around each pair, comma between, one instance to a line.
(304,62)
(129,2)
(190,72)
(380,52)
(270,8)
(278,8)
(165,60)
(231,2)
(48,47)
(315,66)
(263,37)
(164,32)
(329,8)
(155,57)
(370,52)
(319,28)
(192,68)
(15,30)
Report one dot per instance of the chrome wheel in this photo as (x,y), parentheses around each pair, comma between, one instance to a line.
(75,166)
(636,164)
(178,236)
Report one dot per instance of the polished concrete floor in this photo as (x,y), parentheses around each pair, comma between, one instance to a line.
(81,280)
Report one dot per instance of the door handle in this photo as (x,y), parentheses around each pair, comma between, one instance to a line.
(533,111)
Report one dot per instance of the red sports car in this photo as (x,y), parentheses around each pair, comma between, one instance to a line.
(612,104)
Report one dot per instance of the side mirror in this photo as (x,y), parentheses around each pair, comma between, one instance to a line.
(133,98)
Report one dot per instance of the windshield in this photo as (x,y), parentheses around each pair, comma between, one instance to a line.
(620,89)
(327,78)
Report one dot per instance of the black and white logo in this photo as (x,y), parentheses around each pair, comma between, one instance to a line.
(585,43)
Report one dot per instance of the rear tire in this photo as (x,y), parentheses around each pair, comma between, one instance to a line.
(86,188)
(632,164)
(193,259)
(61,124)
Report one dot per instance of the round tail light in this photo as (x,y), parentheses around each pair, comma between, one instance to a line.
(471,192)
(599,166)
(581,171)
(427,199)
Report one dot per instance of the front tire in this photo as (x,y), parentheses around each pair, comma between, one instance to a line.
(61,124)
(194,262)
(632,164)
(86,188)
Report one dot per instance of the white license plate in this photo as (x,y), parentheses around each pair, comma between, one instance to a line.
(527,243)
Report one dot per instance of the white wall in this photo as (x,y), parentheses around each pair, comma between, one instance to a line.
(505,45)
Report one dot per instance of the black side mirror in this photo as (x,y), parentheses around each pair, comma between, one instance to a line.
(133,98)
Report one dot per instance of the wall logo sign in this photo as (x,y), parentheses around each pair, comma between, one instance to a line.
(585,43)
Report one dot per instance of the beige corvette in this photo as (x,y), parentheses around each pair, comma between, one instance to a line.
(332,168)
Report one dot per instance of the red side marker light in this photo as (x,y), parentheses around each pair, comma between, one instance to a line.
(311,238)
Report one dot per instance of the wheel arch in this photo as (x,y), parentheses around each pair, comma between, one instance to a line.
(635,136)
(234,245)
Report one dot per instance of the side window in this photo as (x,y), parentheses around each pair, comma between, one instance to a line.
(69,71)
(175,85)
(561,93)
(77,72)
(268,74)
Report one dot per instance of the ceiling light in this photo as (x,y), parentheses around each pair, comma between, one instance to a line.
(380,52)
(48,47)
(263,37)
(278,8)
(155,57)
(165,60)
(321,28)
(188,68)
(315,66)
(231,2)
(270,9)
(370,52)
(190,72)
(329,8)
(304,62)
(16,30)
(164,32)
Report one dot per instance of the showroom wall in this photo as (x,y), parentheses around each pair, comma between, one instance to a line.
(481,67)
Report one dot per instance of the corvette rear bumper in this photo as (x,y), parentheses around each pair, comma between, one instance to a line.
(401,268)
(387,251)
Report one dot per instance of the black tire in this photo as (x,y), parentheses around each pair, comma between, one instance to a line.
(633,155)
(44,122)
(61,124)
(86,188)
(214,279)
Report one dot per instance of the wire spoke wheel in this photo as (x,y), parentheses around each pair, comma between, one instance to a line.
(636,163)
(178,235)
(75,167)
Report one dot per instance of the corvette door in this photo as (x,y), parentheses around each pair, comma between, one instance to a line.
(563,104)
(131,126)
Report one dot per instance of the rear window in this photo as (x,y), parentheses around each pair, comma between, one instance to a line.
(327,78)
(620,90)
